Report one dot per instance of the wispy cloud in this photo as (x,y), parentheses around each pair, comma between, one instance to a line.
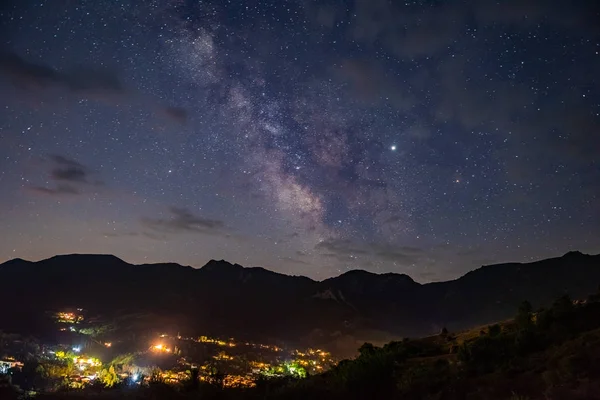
(181,220)
(68,170)
(59,190)
(84,80)
(68,177)
(346,250)
(177,114)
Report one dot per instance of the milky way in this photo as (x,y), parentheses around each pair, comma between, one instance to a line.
(307,137)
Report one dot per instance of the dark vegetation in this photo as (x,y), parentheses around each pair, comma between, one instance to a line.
(553,353)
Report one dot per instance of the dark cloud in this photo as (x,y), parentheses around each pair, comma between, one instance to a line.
(184,221)
(70,177)
(346,250)
(371,82)
(418,131)
(69,170)
(293,260)
(510,103)
(474,101)
(62,160)
(412,31)
(326,15)
(394,219)
(407,31)
(59,190)
(340,246)
(322,14)
(535,134)
(89,80)
(147,235)
(69,174)
(403,255)
(578,15)
(177,114)
(26,74)
(82,80)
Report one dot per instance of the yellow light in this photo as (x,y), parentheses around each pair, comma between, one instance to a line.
(158,347)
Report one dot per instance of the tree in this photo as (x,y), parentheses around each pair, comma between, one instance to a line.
(494,330)
(595,297)
(563,306)
(217,377)
(524,317)
(109,377)
(526,341)
(123,359)
(294,370)
(194,379)
(366,349)
(544,319)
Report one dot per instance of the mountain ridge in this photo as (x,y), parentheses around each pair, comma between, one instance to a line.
(214,264)
(230,299)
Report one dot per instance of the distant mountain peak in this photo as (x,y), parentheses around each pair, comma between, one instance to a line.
(574,253)
(358,272)
(78,256)
(16,261)
(362,274)
(221,265)
(72,259)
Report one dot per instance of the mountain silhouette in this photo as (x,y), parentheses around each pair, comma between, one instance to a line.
(229,299)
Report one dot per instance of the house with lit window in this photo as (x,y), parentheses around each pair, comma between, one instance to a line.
(5,365)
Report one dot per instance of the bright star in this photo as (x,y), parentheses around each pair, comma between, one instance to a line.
(393,148)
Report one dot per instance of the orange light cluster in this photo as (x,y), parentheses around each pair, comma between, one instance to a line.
(223,356)
(161,348)
(92,362)
(238,381)
(68,316)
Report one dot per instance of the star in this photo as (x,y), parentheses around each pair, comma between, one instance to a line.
(393,147)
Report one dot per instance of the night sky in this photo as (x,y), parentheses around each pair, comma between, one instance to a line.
(418,137)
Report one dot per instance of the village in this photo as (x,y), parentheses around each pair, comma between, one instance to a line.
(86,355)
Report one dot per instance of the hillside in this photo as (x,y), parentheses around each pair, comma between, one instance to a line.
(551,353)
(229,299)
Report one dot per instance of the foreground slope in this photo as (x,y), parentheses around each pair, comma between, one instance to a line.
(551,353)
